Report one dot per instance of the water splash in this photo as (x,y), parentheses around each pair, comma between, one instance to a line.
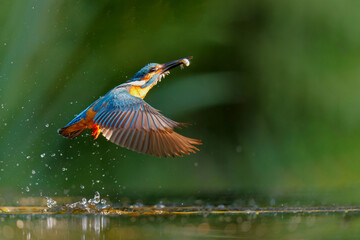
(50,202)
(92,205)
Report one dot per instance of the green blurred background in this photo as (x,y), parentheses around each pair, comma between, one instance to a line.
(272,91)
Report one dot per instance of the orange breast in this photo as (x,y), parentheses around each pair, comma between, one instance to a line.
(138,91)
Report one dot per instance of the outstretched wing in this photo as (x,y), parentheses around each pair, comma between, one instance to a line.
(130,122)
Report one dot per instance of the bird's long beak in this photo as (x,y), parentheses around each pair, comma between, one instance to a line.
(163,69)
(167,66)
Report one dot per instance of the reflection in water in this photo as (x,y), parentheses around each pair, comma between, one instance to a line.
(84,223)
(94,219)
(50,222)
(198,226)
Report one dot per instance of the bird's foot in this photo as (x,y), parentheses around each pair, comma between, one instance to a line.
(96,131)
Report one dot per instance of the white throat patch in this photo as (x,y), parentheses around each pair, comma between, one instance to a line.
(137,83)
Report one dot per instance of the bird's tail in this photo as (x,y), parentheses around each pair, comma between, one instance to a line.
(70,132)
(75,127)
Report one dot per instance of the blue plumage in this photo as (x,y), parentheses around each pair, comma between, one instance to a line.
(142,72)
(124,118)
(79,117)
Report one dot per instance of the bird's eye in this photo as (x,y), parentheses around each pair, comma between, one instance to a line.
(152,69)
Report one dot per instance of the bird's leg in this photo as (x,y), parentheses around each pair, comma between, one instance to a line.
(96,131)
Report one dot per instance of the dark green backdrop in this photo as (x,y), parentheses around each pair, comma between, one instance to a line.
(273,92)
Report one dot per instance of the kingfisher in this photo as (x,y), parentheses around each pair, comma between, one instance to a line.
(124,118)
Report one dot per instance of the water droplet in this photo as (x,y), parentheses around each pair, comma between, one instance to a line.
(27,157)
(64,169)
(82,186)
(27,189)
(97,197)
(33,171)
(47,125)
(42,155)
(50,202)
(160,205)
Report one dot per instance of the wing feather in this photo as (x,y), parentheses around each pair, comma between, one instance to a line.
(108,119)
(114,119)
(146,142)
(130,122)
(124,120)
(99,116)
(120,119)
(135,139)
(103,118)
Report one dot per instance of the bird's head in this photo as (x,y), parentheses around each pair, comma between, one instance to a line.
(152,73)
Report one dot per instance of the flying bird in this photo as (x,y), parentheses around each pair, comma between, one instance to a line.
(124,118)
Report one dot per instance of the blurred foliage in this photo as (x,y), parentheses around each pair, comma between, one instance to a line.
(271,91)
